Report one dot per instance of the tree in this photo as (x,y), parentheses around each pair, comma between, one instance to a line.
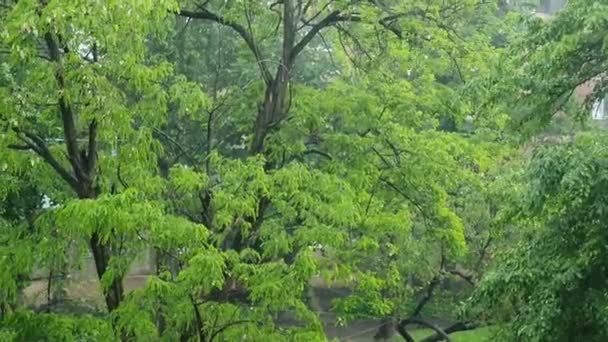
(550,286)
(65,80)
(138,152)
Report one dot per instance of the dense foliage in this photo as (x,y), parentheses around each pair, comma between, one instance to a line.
(551,285)
(553,282)
(258,149)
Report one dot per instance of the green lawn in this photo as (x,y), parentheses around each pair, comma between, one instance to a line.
(485,334)
(477,335)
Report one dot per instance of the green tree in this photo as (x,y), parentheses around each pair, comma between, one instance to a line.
(550,286)
(219,147)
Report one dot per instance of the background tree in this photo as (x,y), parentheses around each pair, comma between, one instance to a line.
(549,286)
(221,149)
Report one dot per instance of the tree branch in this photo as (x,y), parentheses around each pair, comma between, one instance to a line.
(36,144)
(67,114)
(20,147)
(319,152)
(330,19)
(92,148)
(205,14)
(226,326)
(456,327)
(289,36)
(428,294)
(404,195)
(468,277)
(438,330)
(182,150)
(404,333)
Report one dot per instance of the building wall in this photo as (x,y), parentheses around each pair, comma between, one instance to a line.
(551,6)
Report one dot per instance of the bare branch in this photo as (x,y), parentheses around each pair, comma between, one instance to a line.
(183,151)
(315,16)
(329,20)
(329,51)
(205,14)
(354,40)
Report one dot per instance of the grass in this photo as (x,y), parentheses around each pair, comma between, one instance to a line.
(478,335)
(485,334)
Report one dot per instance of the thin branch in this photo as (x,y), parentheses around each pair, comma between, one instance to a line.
(37,144)
(347,54)
(179,147)
(405,195)
(484,250)
(355,41)
(39,55)
(249,26)
(120,179)
(278,24)
(92,148)
(330,19)
(315,16)
(383,159)
(319,152)
(205,14)
(329,51)
(20,147)
(462,274)
(388,23)
(54,276)
(457,65)
(372,194)
(306,6)
(226,326)
(49,288)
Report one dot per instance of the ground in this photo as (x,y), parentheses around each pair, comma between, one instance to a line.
(84,288)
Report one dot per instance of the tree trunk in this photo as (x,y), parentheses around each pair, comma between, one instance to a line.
(274,108)
(101,255)
(403,332)
(459,326)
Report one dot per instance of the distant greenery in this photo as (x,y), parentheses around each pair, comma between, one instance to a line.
(552,284)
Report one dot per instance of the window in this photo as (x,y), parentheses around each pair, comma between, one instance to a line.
(598,111)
